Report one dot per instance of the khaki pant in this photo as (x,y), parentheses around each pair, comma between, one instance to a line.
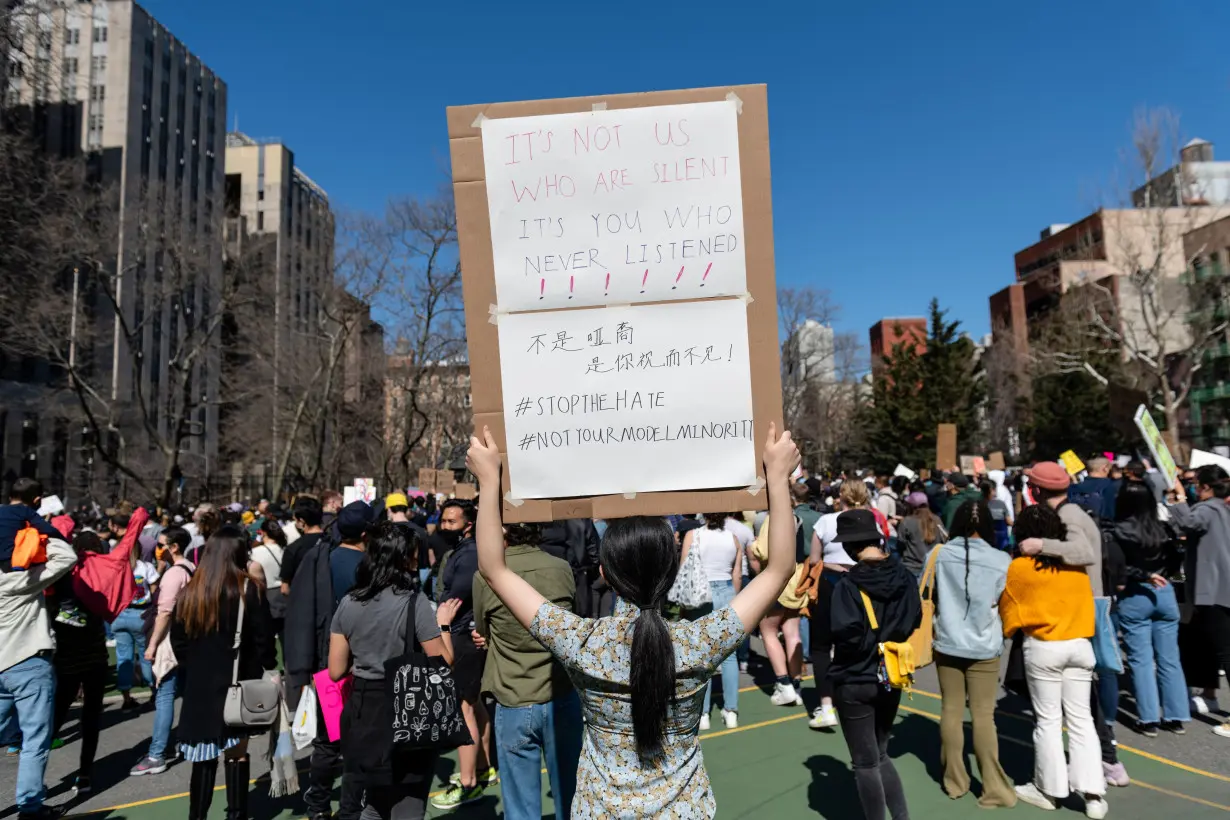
(979,680)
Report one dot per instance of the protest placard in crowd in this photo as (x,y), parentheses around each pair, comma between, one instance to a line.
(617,261)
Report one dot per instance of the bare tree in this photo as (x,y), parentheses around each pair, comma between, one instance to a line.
(820,371)
(428,384)
(1144,302)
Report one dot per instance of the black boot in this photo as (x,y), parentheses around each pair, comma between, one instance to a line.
(201,789)
(237,789)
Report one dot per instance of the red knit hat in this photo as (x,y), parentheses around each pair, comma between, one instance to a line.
(1049,475)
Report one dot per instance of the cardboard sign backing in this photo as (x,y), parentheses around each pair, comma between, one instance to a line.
(478,279)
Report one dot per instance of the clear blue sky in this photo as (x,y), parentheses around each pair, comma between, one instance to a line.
(915,146)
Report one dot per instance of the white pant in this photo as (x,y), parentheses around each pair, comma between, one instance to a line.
(1060,675)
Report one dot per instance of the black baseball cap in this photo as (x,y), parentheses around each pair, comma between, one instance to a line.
(354,519)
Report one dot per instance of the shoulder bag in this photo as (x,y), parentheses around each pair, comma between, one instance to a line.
(924,636)
(250,704)
(423,696)
(691,589)
(896,659)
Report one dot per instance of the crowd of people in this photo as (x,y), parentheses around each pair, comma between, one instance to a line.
(1061,590)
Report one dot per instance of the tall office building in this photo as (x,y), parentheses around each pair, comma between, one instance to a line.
(111,81)
(279,229)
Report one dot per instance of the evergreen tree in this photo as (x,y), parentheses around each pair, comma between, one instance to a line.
(914,392)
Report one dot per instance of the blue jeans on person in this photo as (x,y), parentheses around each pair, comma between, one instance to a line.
(526,736)
(723,592)
(1149,620)
(164,715)
(129,631)
(805,635)
(28,689)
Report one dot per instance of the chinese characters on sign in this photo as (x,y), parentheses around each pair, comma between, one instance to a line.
(628,399)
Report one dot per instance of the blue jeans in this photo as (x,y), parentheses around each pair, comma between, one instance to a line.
(723,592)
(164,715)
(1149,619)
(525,735)
(29,690)
(805,635)
(129,631)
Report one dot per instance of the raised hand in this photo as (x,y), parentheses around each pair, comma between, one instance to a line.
(446,612)
(781,455)
(483,459)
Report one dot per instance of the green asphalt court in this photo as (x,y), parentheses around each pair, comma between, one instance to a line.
(773,766)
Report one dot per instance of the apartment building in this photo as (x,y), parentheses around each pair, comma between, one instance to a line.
(111,81)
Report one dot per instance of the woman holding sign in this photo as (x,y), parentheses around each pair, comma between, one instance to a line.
(641,756)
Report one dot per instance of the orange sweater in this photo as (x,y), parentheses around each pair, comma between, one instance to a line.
(1049,604)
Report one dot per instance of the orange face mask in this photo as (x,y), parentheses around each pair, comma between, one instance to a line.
(160,553)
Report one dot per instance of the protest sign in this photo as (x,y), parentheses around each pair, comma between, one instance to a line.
(365,489)
(980,465)
(946,447)
(466,492)
(905,472)
(445,481)
(1202,458)
(995,461)
(968,465)
(427,479)
(1157,445)
(1071,462)
(617,260)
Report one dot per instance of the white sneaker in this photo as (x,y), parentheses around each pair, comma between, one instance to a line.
(742,666)
(731,719)
(1034,797)
(704,723)
(823,717)
(1096,808)
(1205,706)
(1223,730)
(784,695)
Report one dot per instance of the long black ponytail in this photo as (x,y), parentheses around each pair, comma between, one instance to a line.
(640,562)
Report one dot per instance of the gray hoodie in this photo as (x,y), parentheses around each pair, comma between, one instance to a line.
(1082,547)
(1208,553)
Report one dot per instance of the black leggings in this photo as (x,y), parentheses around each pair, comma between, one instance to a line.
(93,682)
(819,619)
(867,712)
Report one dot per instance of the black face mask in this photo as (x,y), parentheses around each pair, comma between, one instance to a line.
(451,537)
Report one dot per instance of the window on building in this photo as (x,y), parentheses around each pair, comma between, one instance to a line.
(100,34)
(98,63)
(29,445)
(98,93)
(70,65)
(260,220)
(72,36)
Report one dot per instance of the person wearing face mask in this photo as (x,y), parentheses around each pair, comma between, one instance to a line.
(457,570)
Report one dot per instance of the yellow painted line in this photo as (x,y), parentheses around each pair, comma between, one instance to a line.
(1141,752)
(787,719)
(1135,782)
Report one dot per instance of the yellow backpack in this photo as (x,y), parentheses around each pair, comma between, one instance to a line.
(897,663)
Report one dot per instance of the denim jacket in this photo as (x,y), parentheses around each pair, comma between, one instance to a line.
(969,628)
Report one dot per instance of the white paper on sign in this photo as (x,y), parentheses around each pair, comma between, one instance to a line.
(905,471)
(627,205)
(628,399)
(1201,458)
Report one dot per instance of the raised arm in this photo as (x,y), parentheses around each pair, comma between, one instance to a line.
(781,456)
(522,600)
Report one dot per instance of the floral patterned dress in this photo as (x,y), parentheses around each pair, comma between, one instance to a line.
(611,781)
